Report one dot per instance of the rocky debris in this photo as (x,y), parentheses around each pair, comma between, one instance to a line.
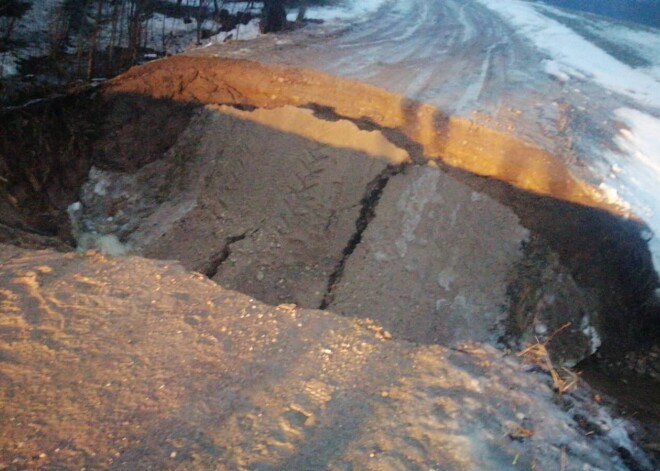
(645,362)
(132,363)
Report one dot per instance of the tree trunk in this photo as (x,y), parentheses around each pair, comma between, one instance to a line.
(94,40)
(113,37)
(273,16)
(302,11)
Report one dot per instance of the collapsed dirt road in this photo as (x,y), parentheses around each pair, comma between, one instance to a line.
(359,202)
(456,55)
(469,59)
(304,191)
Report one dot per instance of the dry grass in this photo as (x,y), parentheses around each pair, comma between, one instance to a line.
(563,379)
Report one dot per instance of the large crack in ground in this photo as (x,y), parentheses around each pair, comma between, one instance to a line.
(369,203)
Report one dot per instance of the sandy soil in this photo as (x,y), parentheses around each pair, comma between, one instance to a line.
(125,363)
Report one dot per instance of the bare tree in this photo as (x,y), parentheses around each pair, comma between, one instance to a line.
(98,20)
(301,11)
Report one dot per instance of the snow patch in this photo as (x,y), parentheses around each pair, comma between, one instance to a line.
(8,66)
(241,33)
(574,56)
(590,332)
(639,175)
(108,244)
(555,69)
(350,10)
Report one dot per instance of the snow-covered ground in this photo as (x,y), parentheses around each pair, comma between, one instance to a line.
(170,35)
(635,169)
(349,10)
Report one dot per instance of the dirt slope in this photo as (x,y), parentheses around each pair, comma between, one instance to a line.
(125,363)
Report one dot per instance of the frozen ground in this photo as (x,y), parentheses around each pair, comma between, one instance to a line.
(585,89)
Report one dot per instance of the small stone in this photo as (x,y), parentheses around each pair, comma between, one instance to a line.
(260,275)
(173,455)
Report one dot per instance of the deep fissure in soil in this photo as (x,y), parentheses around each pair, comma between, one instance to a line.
(221,257)
(369,203)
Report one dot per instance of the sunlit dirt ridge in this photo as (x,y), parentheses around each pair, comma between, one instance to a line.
(455,141)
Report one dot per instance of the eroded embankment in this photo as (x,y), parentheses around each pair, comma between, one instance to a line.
(45,157)
(297,187)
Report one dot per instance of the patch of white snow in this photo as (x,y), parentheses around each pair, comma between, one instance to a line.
(8,65)
(637,178)
(240,33)
(575,55)
(349,10)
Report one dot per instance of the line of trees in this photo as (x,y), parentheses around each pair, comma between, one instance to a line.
(89,30)
(10,12)
(88,38)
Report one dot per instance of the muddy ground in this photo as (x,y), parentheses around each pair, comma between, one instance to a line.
(305,191)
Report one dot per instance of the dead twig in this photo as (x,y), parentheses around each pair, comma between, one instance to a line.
(538,354)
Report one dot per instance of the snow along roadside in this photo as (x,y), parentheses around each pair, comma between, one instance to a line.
(635,174)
